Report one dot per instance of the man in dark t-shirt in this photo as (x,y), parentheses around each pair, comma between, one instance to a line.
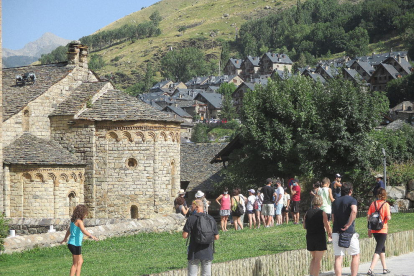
(344,210)
(378,184)
(268,208)
(198,253)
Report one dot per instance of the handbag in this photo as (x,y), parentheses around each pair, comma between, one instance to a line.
(345,239)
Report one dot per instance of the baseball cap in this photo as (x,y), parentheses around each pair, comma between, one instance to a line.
(269,180)
(252,191)
(338,175)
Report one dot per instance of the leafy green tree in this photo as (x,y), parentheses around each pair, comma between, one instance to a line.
(57,55)
(4,230)
(199,134)
(96,62)
(225,53)
(228,111)
(227,88)
(299,127)
(358,40)
(401,89)
(156,18)
(184,64)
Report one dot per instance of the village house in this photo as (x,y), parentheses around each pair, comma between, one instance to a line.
(403,111)
(213,102)
(271,61)
(250,68)
(326,71)
(382,75)
(364,69)
(233,67)
(71,139)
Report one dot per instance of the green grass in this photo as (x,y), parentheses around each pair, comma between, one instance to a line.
(157,252)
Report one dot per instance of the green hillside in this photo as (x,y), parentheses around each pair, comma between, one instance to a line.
(207,23)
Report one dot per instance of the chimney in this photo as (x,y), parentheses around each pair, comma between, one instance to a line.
(78,54)
(399,59)
(403,106)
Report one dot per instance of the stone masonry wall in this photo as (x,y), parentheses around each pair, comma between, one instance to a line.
(1,119)
(137,169)
(42,192)
(34,117)
(170,223)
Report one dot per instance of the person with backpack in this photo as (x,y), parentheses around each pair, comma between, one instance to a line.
(237,208)
(201,230)
(378,216)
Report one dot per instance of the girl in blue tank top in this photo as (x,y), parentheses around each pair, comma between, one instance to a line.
(75,233)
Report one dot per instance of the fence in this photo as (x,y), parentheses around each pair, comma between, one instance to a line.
(297,262)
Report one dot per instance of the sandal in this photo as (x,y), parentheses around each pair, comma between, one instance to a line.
(386,271)
(370,272)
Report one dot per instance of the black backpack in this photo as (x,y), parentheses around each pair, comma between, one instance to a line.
(375,222)
(204,229)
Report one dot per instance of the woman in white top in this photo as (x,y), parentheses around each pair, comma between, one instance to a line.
(286,206)
(250,211)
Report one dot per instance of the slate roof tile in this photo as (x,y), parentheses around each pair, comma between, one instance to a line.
(29,149)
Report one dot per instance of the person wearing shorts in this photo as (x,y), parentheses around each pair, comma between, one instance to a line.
(268,210)
(286,206)
(279,202)
(316,222)
(225,205)
(344,210)
(258,208)
(250,208)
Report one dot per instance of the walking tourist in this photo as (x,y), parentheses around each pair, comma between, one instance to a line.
(314,191)
(295,192)
(258,208)
(378,184)
(279,202)
(75,233)
(316,224)
(326,193)
(236,211)
(344,210)
(200,249)
(250,208)
(224,201)
(268,209)
(286,205)
(380,235)
(336,186)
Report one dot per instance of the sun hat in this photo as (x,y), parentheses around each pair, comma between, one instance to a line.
(181,192)
(199,194)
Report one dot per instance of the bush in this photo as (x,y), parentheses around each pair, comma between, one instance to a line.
(4,230)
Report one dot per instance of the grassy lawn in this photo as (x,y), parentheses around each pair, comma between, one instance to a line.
(152,253)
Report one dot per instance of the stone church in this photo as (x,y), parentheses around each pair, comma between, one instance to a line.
(70,138)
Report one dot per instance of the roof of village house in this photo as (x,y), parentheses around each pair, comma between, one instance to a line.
(116,105)
(236,62)
(389,68)
(78,98)
(214,99)
(403,63)
(29,149)
(329,70)
(177,110)
(315,76)
(253,60)
(283,75)
(352,73)
(196,81)
(155,97)
(397,124)
(196,167)
(278,58)
(188,92)
(404,107)
(16,97)
(376,59)
(367,67)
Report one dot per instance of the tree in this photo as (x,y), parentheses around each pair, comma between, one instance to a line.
(299,127)
(401,89)
(57,55)
(225,53)
(199,134)
(96,62)
(156,18)
(358,40)
(184,64)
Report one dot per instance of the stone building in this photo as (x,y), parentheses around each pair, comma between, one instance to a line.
(70,138)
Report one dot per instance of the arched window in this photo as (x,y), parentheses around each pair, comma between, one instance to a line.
(72,202)
(134,212)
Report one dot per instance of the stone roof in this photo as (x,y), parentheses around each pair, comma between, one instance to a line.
(253,60)
(78,98)
(196,167)
(29,149)
(116,105)
(365,66)
(16,97)
(214,99)
(278,58)
(236,62)
(352,73)
(177,110)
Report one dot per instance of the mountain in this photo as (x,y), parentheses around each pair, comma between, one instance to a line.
(32,50)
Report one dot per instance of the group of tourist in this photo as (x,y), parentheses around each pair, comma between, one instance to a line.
(342,212)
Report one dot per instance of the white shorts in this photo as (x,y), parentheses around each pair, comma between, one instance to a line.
(340,251)
(268,209)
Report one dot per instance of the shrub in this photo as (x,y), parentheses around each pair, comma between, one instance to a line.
(4,230)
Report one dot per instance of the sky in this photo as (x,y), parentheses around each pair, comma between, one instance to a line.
(27,20)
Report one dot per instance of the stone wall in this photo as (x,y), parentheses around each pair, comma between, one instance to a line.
(403,195)
(281,264)
(34,117)
(28,226)
(170,223)
(1,119)
(141,168)
(42,192)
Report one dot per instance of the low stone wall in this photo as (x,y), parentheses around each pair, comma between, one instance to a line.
(30,226)
(281,264)
(167,223)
